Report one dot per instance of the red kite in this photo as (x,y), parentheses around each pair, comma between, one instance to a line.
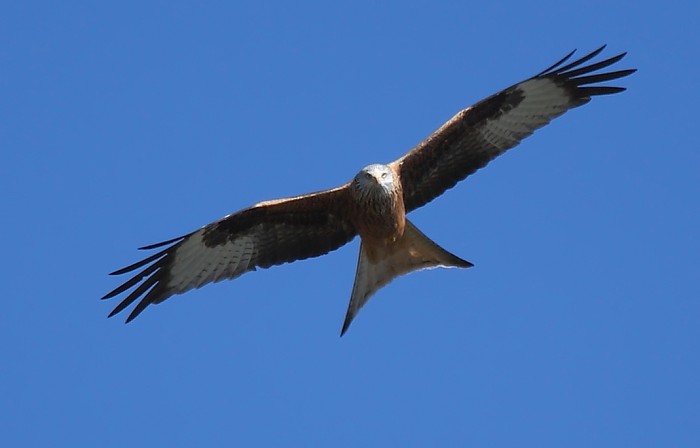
(373,204)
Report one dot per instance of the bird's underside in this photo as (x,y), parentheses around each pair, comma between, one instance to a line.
(373,204)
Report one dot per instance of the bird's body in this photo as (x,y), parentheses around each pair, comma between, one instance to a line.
(373,204)
(377,200)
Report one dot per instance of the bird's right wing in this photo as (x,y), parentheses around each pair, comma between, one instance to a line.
(267,234)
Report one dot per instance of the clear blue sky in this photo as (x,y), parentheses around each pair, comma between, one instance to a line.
(127,124)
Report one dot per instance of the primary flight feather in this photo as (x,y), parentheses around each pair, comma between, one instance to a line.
(373,204)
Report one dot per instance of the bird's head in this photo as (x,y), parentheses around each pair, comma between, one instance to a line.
(375,178)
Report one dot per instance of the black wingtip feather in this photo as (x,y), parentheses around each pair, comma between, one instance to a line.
(577,62)
(131,282)
(149,298)
(163,243)
(581,81)
(602,77)
(589,68)
(152,276)
(600,90)
(135,312)
(138,264)
(556,64)
(135,294)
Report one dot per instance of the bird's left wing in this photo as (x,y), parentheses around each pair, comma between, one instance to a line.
(480,133)
(267,234)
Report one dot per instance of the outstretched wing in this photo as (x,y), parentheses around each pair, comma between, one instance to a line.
(267,234)
(480,133)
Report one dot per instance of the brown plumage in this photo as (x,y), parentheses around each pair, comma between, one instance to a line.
(373,205)
(376,205)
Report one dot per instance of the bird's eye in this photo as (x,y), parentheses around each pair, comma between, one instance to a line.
(384,175)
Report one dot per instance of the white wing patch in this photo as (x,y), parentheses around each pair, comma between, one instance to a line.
(196,264)
(543,100)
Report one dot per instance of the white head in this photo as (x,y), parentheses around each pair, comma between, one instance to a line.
(374,179)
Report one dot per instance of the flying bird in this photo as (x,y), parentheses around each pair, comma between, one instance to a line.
(373,204)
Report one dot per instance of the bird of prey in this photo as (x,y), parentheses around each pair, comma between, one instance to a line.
(373,204)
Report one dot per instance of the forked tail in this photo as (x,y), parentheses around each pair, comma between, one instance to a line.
(413,252)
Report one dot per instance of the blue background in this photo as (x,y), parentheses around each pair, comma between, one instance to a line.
(129,123)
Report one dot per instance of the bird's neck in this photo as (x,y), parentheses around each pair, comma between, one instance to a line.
(380,216)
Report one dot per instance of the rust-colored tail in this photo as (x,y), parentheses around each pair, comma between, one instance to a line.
(414,251)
